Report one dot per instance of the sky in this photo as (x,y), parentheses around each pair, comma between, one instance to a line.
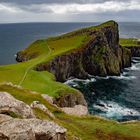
(14,11)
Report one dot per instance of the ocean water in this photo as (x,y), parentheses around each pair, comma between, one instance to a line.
(113,97)
(15,37)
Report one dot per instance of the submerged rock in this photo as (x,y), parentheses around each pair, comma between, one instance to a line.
(31,129)
(8,104)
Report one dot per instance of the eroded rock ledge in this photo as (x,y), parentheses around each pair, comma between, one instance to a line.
(135,50)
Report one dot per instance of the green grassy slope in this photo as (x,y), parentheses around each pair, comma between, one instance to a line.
(43,82)
(42,51)
(129,42)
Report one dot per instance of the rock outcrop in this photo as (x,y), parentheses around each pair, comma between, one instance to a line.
(70,100)
(135,51)
(38,105)
(126,58)
(8,104)
(77,110)
(101,56)
(30,129)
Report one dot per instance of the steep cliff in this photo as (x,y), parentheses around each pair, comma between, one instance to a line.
(135,50)
(101,55)
(132,44)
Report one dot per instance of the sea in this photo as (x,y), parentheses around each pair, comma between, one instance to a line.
(112,97)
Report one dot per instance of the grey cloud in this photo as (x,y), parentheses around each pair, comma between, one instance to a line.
(57,1)
(68,10)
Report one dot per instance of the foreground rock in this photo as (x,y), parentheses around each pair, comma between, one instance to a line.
(77,110)
(38,105)
(30,129)
(70,100)
(8,104)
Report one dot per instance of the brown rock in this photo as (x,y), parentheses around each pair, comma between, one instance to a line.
(31,129)
(9,104)
(70,100)
(77,110)
(37,104)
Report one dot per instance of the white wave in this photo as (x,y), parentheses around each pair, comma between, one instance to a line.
(135,61)
(111,109)
(123,77)
(100,77)
(74,80)
(134,67)
(136,58)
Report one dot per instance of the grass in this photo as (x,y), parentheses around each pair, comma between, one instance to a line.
(95,128)
(129,42)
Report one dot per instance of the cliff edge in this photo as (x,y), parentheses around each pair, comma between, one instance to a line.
(101,55)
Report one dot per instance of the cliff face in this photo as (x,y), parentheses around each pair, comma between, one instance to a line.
(135,51)
(101,56)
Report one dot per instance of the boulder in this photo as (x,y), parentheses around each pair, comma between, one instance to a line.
(31,129)
(47,98)
(4,118)
(77,110)
(37,104)
(11,129)
(70,100)
(8,104)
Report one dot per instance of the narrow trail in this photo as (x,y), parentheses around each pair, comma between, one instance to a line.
(30,67)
